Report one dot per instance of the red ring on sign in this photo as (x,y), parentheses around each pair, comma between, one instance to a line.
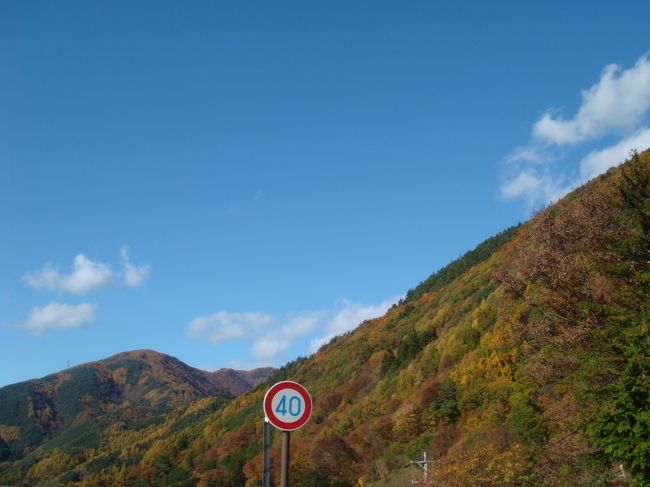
(268,409)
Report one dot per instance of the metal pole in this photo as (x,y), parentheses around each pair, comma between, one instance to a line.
(267,454)
(426,470)
(284,467)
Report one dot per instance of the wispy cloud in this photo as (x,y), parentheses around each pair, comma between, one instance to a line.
(274,342)
(269,336)
(618,102)
(134,276)
(529,154)
(599,161)
(85,276)
(57,316)
(348,317)
(534,185)
(616,105)
(223,325)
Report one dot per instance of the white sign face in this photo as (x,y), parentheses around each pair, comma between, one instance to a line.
(287,405)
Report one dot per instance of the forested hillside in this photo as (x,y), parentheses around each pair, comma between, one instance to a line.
(72,408)
(525,364)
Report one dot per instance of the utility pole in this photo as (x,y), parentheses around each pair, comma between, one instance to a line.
(424,465)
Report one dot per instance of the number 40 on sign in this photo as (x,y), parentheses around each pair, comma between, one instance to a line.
(287,405)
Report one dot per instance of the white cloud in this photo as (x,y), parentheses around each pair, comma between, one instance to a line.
(534,187)
(599,161)
(617,103)
(529,154)
(134,276)
(348,317)
(273,342)
(85,276)
(269,346)
(56,316)
(223,325)
(301,324)
(270,336)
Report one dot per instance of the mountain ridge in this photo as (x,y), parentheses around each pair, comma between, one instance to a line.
(128,385)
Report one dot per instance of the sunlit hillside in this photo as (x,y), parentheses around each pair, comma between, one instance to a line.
(524,363)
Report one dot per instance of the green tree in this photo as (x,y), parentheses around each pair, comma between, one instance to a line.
(622,431)
(448,401)
(622,428)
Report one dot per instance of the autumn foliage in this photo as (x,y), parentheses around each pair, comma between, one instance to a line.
(525,364)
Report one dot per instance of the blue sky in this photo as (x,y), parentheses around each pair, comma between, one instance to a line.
(233,183)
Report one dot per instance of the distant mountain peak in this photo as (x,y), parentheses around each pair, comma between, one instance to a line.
(131,384)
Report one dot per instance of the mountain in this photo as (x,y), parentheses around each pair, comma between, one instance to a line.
(127,386)
(523,363)
(237,382)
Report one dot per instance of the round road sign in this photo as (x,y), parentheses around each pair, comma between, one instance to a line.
(287,405)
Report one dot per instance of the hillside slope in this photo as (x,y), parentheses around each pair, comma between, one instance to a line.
(237,382)
(529,366)
(126,386)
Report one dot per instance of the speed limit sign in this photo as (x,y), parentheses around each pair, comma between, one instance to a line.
(287,405)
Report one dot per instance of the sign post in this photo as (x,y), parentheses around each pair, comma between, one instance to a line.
(284,466)
(287,406)
(267,454)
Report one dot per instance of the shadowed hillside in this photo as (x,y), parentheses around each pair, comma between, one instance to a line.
(526,364)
